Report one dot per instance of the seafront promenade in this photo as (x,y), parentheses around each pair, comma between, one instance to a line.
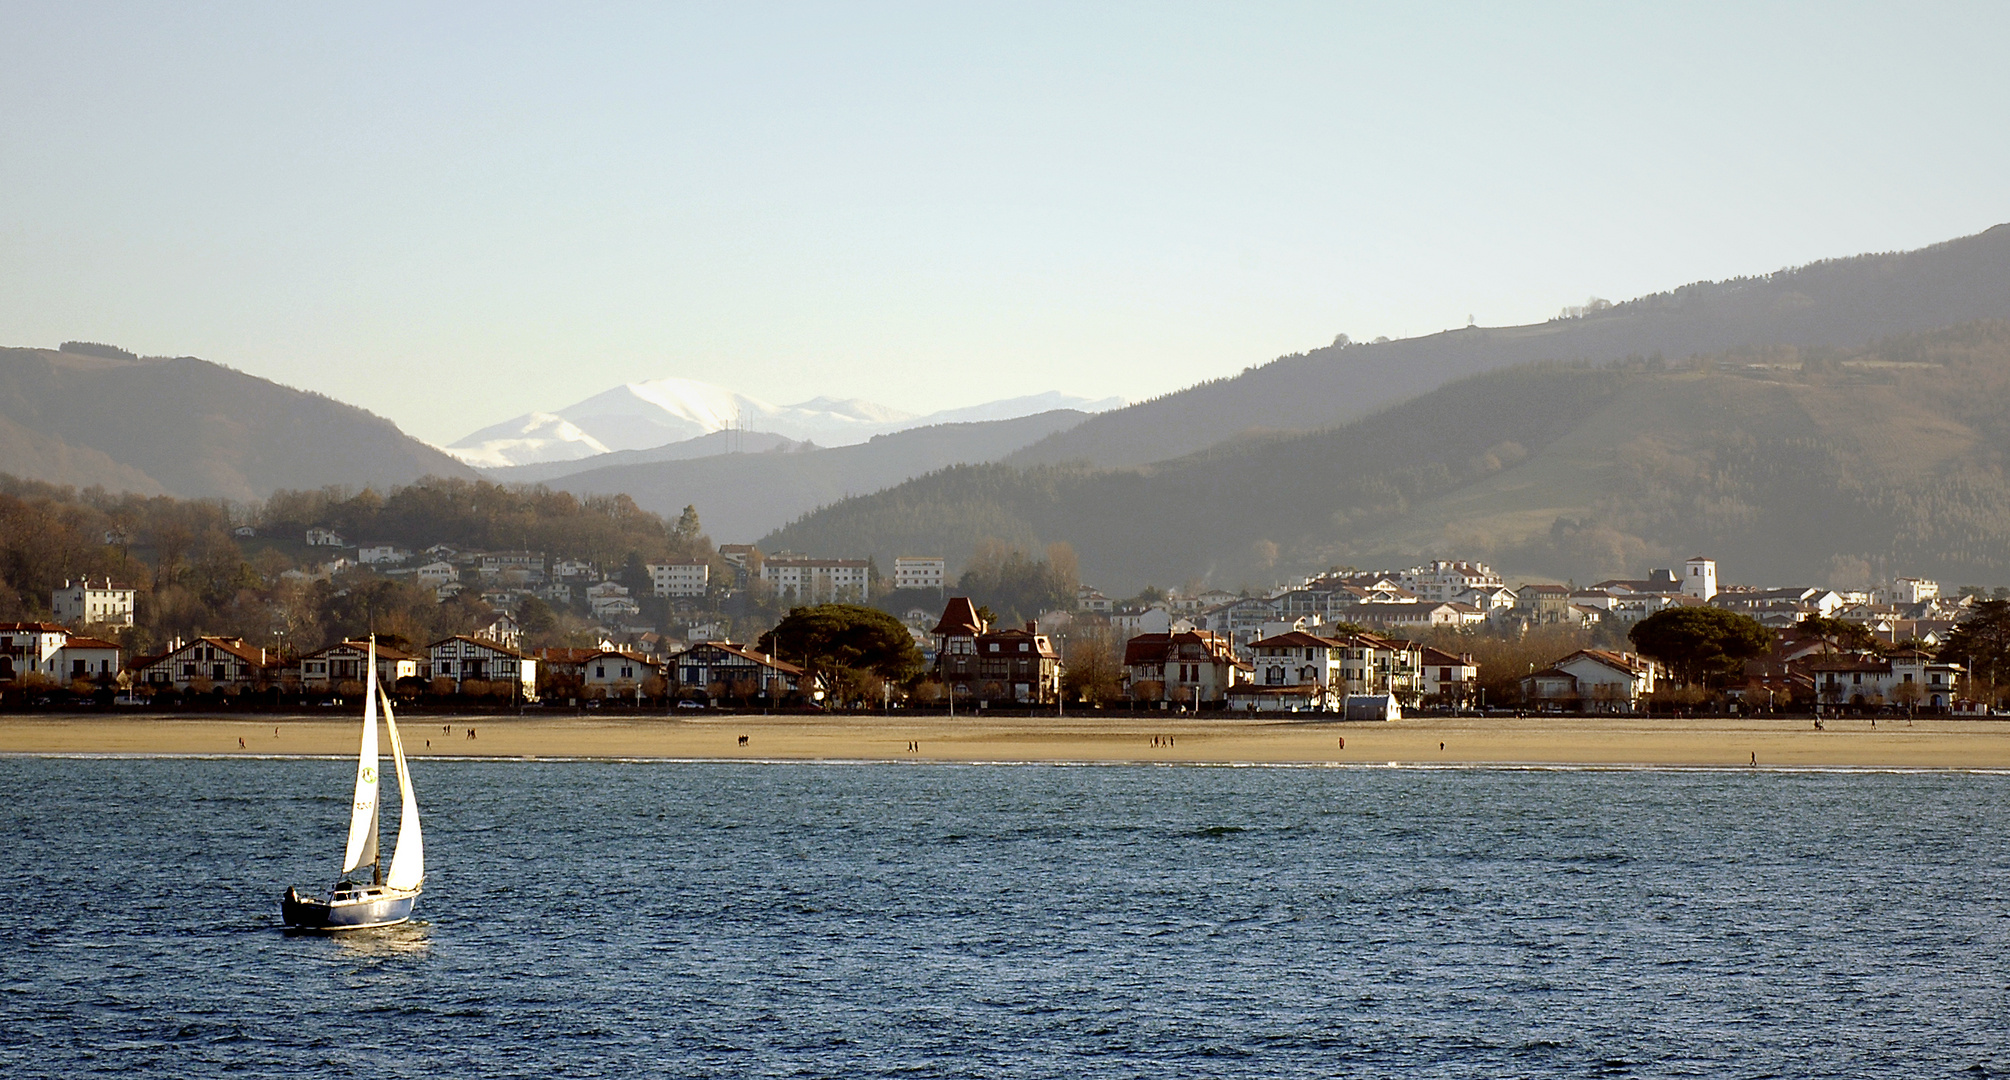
(1112,738)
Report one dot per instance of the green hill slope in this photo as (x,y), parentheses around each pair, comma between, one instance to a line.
(191,428)
(1802,464)
(1840,302)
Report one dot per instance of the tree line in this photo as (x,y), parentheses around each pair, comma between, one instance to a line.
(194,575)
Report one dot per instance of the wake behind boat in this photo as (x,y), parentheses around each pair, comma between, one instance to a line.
(385,899)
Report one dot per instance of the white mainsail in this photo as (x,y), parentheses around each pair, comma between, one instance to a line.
(408,857)
(362,850)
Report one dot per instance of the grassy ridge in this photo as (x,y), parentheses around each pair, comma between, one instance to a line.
(1806,464)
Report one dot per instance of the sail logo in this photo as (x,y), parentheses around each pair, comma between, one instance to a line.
(369,775)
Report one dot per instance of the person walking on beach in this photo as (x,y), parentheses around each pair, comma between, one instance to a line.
(240,742)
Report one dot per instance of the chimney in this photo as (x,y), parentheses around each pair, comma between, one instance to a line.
(1032,626)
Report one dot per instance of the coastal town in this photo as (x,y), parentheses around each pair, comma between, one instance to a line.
(680,634)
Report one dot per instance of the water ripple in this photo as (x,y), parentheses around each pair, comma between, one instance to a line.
(618,919)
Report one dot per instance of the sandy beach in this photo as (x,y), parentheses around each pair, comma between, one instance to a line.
(1944,744)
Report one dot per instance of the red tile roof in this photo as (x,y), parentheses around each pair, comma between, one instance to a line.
(959,619)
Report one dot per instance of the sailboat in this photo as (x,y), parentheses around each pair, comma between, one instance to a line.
(386,899)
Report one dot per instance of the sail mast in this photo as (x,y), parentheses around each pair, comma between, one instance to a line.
(362,848)
(408,856)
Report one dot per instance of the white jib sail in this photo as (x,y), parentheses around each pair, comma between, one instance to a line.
(408,857)
(362,850)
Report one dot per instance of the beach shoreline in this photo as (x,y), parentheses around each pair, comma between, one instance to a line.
(1887,742)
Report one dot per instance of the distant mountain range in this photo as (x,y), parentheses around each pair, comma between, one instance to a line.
(190,428)
(1817,466)
(742,494)
(1851,414)
(648,415)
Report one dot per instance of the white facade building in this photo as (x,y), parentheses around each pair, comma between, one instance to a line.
(1445,580)
(370,554)
(1699,578)
(462,658)
(1908,590)
(1296,658)
(606,598)
(93,602)
(435,574)
(680,577)
(1593,681)
(617,671)
(805,580)
(54,651)
(919,571)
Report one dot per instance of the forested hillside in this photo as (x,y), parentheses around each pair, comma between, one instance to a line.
(194,575)
(191,428)
(1839,302)
(1821,464)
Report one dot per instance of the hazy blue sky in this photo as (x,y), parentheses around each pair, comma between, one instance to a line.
(453,214)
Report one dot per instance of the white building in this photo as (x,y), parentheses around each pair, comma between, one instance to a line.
(93,602)
(463,658)
(617,672)
(375,552)
(349,661)
(1449,679)
(54,651)
(319,537)
(503,628)
(680,577)
(1444,580)
(528,564)
(1131,622)
(919,571)
(1593,681)
(605,598)
(225,663)
(1909,590)
(1373,664)
(803,580)
(1700,578)
(1870,680)
(436,573)
(1303,660)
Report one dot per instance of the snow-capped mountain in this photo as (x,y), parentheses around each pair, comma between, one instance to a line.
(642,415)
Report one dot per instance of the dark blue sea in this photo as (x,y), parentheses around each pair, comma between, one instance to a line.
(911,920)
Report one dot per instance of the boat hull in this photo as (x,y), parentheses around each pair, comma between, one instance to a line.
(383,909)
